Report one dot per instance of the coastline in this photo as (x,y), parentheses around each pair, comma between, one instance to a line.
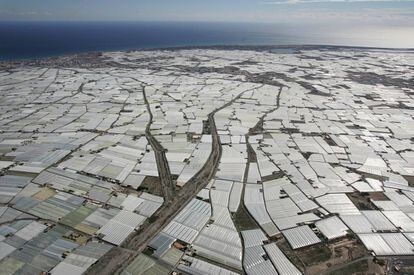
(94,57)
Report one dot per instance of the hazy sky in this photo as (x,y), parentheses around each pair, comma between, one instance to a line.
(369,12)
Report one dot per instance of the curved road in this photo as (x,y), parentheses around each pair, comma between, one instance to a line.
(175,199)
(119,258)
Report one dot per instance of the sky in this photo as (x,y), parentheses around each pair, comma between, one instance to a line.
(332,13)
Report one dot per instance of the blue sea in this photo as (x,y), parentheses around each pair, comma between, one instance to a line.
(26,40)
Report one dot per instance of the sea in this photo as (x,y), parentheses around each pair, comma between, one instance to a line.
(29,40)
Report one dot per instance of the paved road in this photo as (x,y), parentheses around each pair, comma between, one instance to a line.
(175,199)
(175,202)
(164,172)
(184,195)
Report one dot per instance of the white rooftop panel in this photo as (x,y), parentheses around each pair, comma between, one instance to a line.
(280,261)
(254,237)
(332,227)
(300,236)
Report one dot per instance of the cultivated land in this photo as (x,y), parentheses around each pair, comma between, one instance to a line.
(208,161)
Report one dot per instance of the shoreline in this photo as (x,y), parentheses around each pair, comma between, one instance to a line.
(87,56)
